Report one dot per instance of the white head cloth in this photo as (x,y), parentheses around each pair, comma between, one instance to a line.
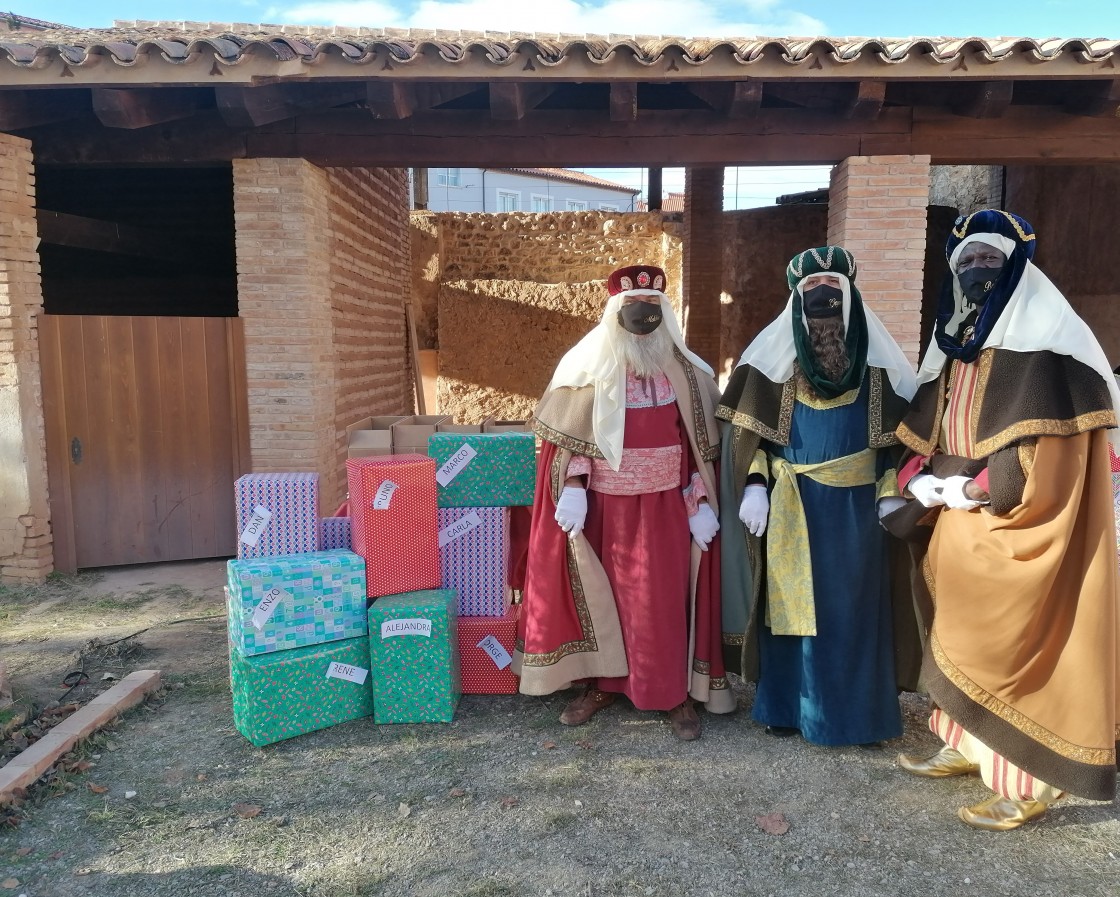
(597,360)
(1036,318)
(773,351)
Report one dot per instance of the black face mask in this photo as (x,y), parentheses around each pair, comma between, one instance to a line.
(823,302)
(639,317)
(978,283)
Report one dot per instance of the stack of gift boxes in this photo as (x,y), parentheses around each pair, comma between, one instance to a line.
(393,610)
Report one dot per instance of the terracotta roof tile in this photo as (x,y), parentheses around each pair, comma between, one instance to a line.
(579,177)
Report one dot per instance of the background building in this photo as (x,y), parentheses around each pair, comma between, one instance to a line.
(524,190)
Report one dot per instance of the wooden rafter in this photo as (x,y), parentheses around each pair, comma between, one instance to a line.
(986,99)
(867,100)
(80,232)
(624,100)
(397,99)
(33,108)
(250,107)
(1097,98)
(737,99)
(140,107)
(511,100)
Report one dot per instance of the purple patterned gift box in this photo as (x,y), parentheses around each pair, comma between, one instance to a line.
(474,553)
(336,533)
(277,514)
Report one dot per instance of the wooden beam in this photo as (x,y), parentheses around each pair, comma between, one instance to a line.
(624,100)
(986,99)
(1096,98)
(655,189)
(141,107)
(811,94)
(79,232)
(20,109)
(737,99)
(248,107)
(400,99)
(511,100)
(867,100)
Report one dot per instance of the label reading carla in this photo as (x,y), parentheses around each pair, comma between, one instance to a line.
(345,671)
(265,609)
(460,527)
(455,464)
(496,651)
(251,535)
(406,626)
(384,495)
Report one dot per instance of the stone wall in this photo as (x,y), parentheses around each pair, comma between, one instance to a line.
(966,188)
(26,554)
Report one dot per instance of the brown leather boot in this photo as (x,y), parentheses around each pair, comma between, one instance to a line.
(581,709)
(685,722)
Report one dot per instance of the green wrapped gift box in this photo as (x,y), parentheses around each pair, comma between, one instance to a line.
(288,693)
(414,657)
(488,470)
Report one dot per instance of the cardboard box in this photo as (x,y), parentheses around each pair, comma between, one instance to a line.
(288,693)
(281,603)
(474,557)
(410,435)
(485,470)
(277,514)
(393,522)
(485,652)
(492,425)
(371,437)
(458,428)
(335,533)
(414,657)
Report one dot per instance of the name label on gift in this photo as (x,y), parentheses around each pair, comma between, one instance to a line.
(384,495)
(496,651)
(392,628)
(345,671)
(251,535)
(459,528)
(264,610)
(455,464)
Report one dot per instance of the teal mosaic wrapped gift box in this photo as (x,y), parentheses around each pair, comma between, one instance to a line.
(288,693)
(414,657)
(491,470)
(280,603)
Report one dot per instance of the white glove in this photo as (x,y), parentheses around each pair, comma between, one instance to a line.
(571,510)
(926,488)
(703,525)
(754,509)
(889,505)
(953,494)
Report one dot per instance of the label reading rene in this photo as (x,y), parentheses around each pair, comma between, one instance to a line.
(496,651)
(251,535)
(406,626)
(455,464)
(264,610)
(384,495)
(345,671)
(460,527)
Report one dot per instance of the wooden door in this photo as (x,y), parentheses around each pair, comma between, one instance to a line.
(146,432)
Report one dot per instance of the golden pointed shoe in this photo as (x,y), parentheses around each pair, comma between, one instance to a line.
(946,762)
(1001,814)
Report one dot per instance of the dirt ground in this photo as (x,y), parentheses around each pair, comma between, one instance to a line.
(503,801)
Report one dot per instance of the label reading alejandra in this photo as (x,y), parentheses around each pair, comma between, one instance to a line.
(406,626)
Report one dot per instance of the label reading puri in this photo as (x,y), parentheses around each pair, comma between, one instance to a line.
(407,626)
(264,610)
(345,671)
(460,527)
(384,495)
(495,651)
(455,464)
(251,535)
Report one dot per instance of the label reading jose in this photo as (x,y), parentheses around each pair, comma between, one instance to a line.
(384,495)
(459,528)
(455,464)
(496,651)
(345,671)
(252,532)
(406,626)
(264,610)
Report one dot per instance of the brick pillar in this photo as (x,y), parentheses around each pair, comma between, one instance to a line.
(26,553)
(281,211)
(877,211)
(702,270)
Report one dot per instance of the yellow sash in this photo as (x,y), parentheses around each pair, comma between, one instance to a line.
(790,608)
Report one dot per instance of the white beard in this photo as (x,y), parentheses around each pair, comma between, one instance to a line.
(644,355)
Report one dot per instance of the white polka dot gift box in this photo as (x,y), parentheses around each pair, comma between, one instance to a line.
(474,556)
(486,653)
(277,514)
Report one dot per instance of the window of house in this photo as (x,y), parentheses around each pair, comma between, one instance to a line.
(577,205)
(450,177)
(509,201)
(608,207)
(542,203)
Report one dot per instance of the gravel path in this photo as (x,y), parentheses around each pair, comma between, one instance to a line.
(504,801)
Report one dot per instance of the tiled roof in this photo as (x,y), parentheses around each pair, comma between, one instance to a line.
(15,22)
(578,177)
(182,42)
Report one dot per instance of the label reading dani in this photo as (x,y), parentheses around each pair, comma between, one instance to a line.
(252,533)
(264,610)
(495,651)
(391,628)
(345,671)
(460,527)
(455,464)
(384,495)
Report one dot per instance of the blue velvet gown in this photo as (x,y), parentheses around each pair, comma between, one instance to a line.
(837,687)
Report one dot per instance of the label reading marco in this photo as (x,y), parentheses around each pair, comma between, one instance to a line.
(455,464)
(406,626)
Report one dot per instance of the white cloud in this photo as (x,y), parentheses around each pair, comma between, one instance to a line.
(714,18)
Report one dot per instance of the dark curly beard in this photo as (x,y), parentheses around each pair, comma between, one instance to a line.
(826,336)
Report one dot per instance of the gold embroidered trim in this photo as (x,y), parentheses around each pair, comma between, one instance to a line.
(1026,457)
(927,575)
(983,372)
(707,451)
(573,445)
(887,486)
(734,638)
(806,396)
(1037,733)
(725,412)
(918,444)
(702,667)
(779,436)
(719,683)
(876,438)
(1093,420)
(961,232)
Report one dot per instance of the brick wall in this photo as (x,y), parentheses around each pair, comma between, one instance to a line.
(703,263)
(26,554)
(322,275)
(877,211)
